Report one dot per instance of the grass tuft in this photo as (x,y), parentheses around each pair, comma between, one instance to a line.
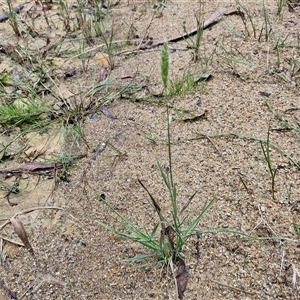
(169,235)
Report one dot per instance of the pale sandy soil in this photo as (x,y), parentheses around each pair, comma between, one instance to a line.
(218,156)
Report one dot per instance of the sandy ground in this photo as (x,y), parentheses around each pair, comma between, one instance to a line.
(218,156)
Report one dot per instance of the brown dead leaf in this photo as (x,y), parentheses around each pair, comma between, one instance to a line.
(196,118)
(129,76)
(35,10)
(103,73)
(5,16)
(63,91)
(102,59)
(106,112)
(11,204)
(110,4)
(40,7)
(291,7)
(181,278)
(146,42)
(20,231)
(38,166)
(26,10)
(46,144)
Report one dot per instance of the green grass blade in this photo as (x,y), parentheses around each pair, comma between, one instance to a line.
(188,231)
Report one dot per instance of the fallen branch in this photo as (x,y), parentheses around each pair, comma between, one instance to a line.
(206,23)
(39,168)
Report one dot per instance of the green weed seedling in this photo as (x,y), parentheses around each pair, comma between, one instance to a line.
(279,43)
(267,156)
(242,9)
(196,44)
(102,31)
(266,28)
(199,34)
(180,86)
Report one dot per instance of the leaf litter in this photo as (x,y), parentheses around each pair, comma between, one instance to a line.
(20,231)
(181,278)
(5,16)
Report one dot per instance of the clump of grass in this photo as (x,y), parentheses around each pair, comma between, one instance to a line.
(25,110)
(169,235)
(23,113)
(180,86)
(196,44)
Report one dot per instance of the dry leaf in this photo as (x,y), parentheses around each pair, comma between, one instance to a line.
(106,112)
(196,118)
(11,204)
(129,76)
(37,166)
(20,231)
(39,7)
(5,16)
(103,5)
(35,10)
(291,8)
(102,59)
(63,91)
(26,10)
(181,278)
(146,43)
(103,73)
